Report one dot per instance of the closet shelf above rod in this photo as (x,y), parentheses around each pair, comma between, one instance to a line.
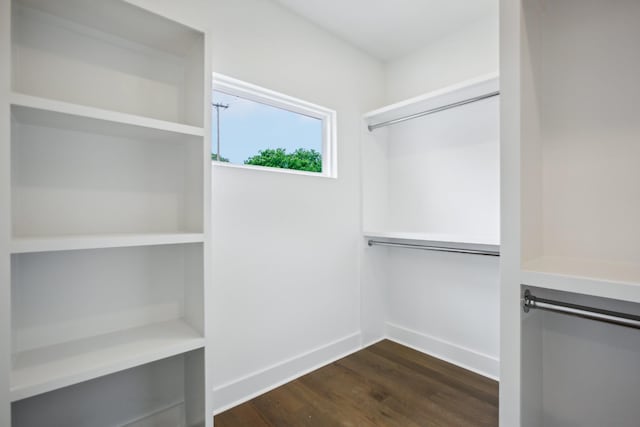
(432,111)
(434,248)
(614,317)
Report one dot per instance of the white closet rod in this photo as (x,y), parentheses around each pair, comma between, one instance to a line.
(434,248)
(433,110)
(617,318)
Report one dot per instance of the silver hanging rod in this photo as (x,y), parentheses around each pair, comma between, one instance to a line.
(433,110)
(434,248)
(601,315)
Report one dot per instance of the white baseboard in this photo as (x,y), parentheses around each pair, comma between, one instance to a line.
(239,391)
(371,341)
(234,393)
(469,359)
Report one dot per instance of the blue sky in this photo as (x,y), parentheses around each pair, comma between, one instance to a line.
(247,127)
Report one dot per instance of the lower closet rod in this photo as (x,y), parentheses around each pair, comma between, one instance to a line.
(435,248)
(607,316)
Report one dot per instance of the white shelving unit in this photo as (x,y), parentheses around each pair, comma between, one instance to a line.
(101,188)
(432,182)
(108,169)
(435,178)
(570,206)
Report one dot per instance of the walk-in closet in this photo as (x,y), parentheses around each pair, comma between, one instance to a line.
(271,213)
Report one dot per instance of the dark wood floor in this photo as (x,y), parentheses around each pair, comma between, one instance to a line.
(383,385)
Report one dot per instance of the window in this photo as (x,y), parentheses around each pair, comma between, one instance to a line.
(255,127)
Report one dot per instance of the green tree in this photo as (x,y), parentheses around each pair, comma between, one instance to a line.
(214,156)
(301,159)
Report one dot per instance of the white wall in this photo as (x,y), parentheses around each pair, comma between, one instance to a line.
(286,272)
(444,173)
(445,304)
(461,55)
(286,247)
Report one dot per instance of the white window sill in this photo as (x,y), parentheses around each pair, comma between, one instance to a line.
(215,163)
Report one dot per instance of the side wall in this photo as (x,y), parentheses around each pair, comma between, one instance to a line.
(461,55)
(286,247)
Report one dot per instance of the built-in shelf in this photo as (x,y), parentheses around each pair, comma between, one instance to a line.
(121,22)
(52,113)
(436,239)
(107,122)
(50,368)
(468,89)
(435,179)
(585,276)
(100,241)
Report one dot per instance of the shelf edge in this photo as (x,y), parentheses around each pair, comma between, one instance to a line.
(55,106)
(582,284)
(70,243)
(179,346)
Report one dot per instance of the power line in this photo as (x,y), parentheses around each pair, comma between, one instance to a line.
(218,106)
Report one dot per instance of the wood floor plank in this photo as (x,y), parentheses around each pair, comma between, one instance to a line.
(486,387)
(450,391)
(242,415)
(411,387)
(386,384)
(363,400)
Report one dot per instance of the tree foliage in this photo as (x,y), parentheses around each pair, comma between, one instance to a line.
(301,159)
(214,157)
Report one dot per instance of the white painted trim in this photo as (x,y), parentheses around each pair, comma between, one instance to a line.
(374,341)
(216,164)
(262,95)
(241,390)
(226,396)
(259,94)
(472,360)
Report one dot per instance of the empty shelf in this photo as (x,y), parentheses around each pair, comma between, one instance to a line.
(585,276)
(42,111)
(100,241)
(49,368)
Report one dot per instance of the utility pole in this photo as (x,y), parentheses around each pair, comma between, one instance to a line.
(218,106)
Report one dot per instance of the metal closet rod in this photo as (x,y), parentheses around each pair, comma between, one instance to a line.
(434,248)
(614,317)
(433,110)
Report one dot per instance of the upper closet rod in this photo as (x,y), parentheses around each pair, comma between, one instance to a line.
(435,248)
(433,110)
(601,315)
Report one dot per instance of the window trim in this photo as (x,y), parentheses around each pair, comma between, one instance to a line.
(235,87)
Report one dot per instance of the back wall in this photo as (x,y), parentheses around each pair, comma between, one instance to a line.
(286,247)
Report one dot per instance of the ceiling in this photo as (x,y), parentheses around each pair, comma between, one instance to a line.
(390,29)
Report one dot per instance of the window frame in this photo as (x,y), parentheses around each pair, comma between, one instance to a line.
(251,92)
